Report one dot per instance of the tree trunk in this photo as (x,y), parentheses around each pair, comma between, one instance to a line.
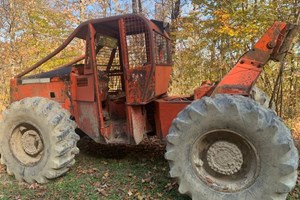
(134,7)
(175,11)
(82,10)
(175,15)
(140,6)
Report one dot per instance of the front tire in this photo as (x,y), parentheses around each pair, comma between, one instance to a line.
(37,140)
(229,147)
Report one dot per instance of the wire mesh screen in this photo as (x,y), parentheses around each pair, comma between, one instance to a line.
(115,83)
(137,40)
(102,58)
(108,62)
(162,49)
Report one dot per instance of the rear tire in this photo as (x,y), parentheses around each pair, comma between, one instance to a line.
(229,147)
(37,140)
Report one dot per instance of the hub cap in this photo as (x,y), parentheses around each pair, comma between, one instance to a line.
(27,144)
(225,160)
(224,157)
(32,143)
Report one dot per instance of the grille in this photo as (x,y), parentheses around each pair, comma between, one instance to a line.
(137,40)
(162,49)
(82,82)
(108,64)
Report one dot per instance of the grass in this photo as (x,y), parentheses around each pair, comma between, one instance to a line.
(107,172)
(104,172)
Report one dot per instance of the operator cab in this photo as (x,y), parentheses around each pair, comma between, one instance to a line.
(132,56)
(127,65)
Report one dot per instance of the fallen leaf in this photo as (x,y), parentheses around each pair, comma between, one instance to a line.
(147,180)
(104,163)
(102,192)
(33,186)
(139,197)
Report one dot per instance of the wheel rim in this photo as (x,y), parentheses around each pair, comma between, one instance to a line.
(27,144)
(225,161)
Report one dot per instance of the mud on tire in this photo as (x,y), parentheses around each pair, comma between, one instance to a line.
(229,147)
(37,140)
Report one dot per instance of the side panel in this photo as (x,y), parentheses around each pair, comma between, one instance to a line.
(85,108)
(162,78)
(240,79)
(165,112)
(85,88)
(54,89)
(88,119)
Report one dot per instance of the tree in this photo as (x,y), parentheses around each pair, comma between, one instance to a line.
(208,37)
(214,34)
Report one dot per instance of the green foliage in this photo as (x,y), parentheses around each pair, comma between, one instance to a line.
(211,38)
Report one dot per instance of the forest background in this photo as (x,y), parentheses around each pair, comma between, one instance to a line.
(208,36)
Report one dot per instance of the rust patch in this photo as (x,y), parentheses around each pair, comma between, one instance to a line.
(88,119)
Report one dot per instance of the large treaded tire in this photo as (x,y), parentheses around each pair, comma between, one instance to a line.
(37,140)
(260,127)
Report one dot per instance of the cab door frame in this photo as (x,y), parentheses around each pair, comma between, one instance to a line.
(86,96)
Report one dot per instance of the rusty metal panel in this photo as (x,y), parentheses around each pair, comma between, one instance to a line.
(205,89)
(162,78)
(85,88)
(73,95)
(240,79)
(165,112)
(136,120)
(55,90)
(136,83)
(149,91)
(88,119)
(117,110)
